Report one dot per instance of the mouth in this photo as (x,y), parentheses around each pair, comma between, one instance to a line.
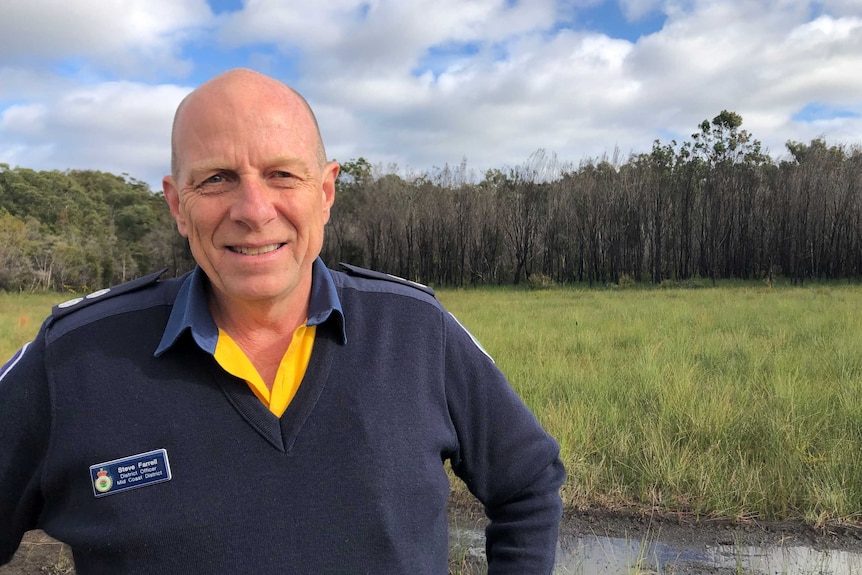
(254,251)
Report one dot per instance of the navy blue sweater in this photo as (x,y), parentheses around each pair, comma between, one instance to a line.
(349,480)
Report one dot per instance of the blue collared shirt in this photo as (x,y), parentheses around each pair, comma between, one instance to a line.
(191,310)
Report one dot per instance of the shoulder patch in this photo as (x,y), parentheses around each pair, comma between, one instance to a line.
(371,274)
(73,305)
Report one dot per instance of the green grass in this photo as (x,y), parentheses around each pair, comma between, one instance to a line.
(736,402)
(740,402)
(20,318)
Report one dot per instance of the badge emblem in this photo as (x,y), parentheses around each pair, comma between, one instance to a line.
(141,470)
(103,482)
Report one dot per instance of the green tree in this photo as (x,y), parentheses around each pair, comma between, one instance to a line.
(13,246)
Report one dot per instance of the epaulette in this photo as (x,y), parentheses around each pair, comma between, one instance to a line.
(371,274)
(73,305)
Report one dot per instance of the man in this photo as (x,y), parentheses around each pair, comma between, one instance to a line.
(264,414)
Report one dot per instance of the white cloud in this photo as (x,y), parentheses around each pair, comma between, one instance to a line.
(544,95)
(840,7)
(636,9)
(116,126)
(764,62)
(23,119)
(380,36)
(132,37)
(24,84)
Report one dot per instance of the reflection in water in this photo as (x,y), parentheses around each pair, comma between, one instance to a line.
(597,555)
(788,560)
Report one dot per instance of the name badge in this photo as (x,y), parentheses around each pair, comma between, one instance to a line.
(130,472)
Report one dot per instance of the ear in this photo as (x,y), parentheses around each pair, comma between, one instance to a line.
(172,196)
(330,174)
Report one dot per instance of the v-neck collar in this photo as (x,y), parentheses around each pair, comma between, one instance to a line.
(282,432)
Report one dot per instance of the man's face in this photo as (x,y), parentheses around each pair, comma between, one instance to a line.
(251,195)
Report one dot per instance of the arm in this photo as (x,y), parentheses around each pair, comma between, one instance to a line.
(506,459)
(24,432)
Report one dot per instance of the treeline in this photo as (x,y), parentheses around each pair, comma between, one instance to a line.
(82,230)
(714,207)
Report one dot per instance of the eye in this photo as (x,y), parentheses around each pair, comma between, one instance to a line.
(215,183)
(283,179)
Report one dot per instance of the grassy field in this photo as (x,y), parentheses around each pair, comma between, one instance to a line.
(737,402)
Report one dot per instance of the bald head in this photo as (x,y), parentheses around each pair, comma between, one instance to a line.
(247,92)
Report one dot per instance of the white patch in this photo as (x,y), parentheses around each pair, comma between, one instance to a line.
(70,303)
(14,361)
(413,283)
(98,293)
(476,341)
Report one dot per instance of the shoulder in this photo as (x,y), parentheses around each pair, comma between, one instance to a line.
(142,293)
(373,281)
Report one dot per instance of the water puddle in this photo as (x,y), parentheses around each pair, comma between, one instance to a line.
(599,555)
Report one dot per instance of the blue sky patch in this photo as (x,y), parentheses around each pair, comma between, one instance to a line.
(817,9)
(363,10)
(607,17)
(818,111)
(222,6)
(666,136)
(440,58)
(77,68)
(210,60)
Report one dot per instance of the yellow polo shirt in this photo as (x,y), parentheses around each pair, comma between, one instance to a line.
(291,370)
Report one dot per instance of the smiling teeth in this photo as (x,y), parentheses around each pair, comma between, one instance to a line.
(255,251)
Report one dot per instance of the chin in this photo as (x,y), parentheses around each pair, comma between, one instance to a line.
(260,291)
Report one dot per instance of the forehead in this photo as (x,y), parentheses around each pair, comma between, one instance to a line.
(227,119)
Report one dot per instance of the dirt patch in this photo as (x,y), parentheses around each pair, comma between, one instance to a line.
(39,554)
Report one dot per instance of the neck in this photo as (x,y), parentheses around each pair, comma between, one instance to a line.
(262,329)
(261,319)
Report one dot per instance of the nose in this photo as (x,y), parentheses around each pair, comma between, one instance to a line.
(253,203)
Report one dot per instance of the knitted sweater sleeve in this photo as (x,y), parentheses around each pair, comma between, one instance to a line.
(505,457)
(24,436)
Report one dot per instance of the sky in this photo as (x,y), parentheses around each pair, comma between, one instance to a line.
(415,85)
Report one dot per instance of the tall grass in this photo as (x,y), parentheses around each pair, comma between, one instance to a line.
(20,318)
(733,402)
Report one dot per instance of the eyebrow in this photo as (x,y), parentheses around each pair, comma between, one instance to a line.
(293,163)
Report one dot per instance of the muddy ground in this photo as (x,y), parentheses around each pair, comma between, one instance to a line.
(684,532)
(41,555)
(681,528)
(689,531)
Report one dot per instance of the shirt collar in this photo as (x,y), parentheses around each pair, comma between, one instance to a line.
(191,311)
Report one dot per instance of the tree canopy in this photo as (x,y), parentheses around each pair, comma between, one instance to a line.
(81,230)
